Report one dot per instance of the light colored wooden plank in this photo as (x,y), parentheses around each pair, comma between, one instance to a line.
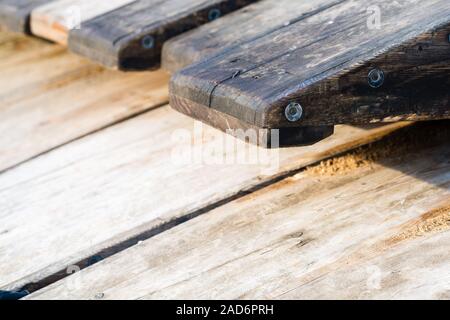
(376,230)
(126,180)
(53,21)
(16,49)
(62,97)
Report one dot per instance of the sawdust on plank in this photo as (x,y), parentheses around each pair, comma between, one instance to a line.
(434,221)
(395,146)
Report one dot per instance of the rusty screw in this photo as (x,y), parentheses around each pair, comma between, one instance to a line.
(293,112)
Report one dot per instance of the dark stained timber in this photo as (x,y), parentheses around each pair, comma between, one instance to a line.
(15,14)
(131,38)
(239,27)
(338,66)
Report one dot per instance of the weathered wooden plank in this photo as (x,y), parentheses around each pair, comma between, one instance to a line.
(54,20)
(375,230)
(15,49)
(246,24)
(62,97)
(15,14)
(132,37)
(331,68)
(128,180)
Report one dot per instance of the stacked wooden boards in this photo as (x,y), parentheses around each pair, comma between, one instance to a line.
(130,175)
(382,72)
(337,62)
(120,34)
(142,171)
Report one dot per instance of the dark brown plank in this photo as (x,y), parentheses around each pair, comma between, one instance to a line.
(15,14)
(131,37)
(246,24)
(322,63)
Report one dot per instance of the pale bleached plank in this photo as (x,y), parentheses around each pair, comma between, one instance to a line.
(120,182)
(53,21)
(62,97)
(378,231)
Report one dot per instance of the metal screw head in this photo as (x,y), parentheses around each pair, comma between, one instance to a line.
(214,14)
(148,42)
(375,78)
(293,112)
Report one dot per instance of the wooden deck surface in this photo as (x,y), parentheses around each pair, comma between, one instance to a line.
(45,109)
(106,192)
(379,229)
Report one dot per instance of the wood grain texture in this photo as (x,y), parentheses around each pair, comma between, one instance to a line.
(129,179)
(249,23)
(62,97)
(322,62)
(378,232)
(132,37)
(54,20)
(15,14)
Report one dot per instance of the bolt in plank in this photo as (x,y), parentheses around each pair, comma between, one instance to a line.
(54,20)
(339,65)
(132,37)
(251,22)
(15,14)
